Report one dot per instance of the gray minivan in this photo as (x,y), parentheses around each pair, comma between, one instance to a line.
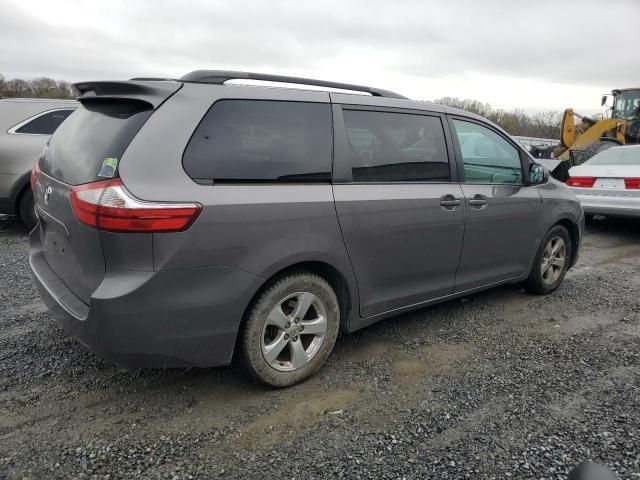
(194,222)
(25,127)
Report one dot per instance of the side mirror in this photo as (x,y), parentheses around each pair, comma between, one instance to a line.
(603,102)
(538,174)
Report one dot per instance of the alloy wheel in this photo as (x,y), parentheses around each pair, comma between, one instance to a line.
(294,331)
(554,259)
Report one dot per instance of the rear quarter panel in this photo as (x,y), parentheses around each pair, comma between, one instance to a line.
(18,152)
(257,228)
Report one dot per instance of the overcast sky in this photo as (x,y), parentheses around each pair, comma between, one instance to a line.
(534,54)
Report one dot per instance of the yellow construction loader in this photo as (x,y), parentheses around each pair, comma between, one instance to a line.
(582,139)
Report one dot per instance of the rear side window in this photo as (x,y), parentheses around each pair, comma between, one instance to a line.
(488,158)
(89,144)
(396,147)
(261,140)
(46,123)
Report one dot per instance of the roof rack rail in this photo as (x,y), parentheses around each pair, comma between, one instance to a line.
(219,77)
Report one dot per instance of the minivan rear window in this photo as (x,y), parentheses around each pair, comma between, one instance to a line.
(261,140)
(94,137)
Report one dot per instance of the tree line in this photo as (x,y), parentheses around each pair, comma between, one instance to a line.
(42,87)
(515,122)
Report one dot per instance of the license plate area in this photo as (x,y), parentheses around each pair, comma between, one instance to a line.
(610,183)
(54,235)
(48,221)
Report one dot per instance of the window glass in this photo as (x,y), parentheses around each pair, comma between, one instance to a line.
(46,123)
(99,131)
(262,141)
(627,104)
(396,147)
(616,156)
(488,158)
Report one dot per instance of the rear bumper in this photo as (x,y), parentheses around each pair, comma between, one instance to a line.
(627,205)
(153,319)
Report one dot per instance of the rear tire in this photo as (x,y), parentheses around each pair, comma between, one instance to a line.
(551,262)
(26,210)
(290,330)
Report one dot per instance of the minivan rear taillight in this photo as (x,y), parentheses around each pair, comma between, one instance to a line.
(583,182)
(107,205)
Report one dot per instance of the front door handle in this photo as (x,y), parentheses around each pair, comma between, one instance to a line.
(449,202)
(478,201)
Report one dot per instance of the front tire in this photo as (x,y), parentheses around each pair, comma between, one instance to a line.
(290,330)
(551,262)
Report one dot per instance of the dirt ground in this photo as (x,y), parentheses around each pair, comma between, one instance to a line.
(501,384)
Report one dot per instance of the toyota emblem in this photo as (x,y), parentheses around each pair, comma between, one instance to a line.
(47,194)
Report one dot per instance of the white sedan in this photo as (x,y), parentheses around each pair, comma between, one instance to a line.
(609,182)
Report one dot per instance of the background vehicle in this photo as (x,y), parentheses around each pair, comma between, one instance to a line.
(581,140)
(25,127)
(188,222)
(609,182)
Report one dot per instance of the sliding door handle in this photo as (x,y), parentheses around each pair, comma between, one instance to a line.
(478,201)
(449,202)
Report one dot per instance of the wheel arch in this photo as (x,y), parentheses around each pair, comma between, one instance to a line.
(326,270)
(17,190)
(574,235)
(345,293)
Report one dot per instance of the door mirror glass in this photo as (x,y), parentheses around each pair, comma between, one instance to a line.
(603,102)
(537,174)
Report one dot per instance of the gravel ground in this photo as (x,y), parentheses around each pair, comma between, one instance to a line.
(499,385)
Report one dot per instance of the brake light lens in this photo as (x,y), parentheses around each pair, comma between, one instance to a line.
(582,182)
(632,183)
(107,205)
(35,173)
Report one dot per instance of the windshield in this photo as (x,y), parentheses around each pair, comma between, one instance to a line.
(616,156)
(627,104)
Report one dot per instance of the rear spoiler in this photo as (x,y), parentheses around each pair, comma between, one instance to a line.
(151,92)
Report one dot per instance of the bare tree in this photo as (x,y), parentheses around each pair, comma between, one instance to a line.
(515,122)
(548,124)
(42,87)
